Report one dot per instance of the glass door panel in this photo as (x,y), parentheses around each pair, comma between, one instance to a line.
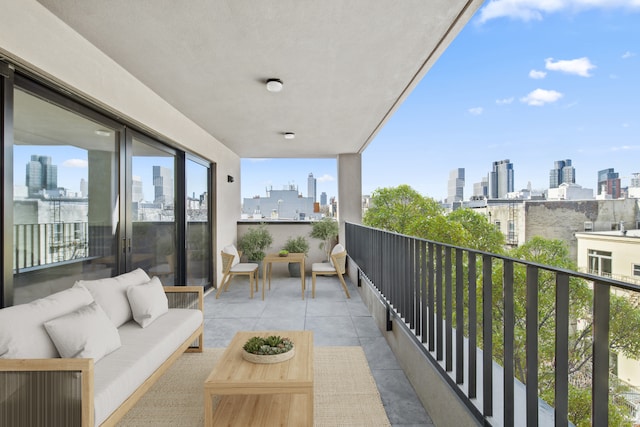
(152,207)
(65,210)
(198,224)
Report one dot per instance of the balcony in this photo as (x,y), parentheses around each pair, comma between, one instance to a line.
(422,293)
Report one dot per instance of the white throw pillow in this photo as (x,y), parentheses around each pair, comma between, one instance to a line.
(148,301)
(336,250)
(231,250)
(22,334)
(111,294)
(84,333)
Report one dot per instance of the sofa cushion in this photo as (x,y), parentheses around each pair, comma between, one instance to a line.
(120,373)
(84,333)
(148,301)
(22,332)
(111,294)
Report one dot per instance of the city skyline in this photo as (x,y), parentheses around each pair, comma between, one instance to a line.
(529,81)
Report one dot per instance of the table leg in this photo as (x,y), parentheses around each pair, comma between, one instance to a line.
(302,276)
(208,409)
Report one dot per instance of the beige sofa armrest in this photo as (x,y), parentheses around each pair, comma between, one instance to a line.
(47,391)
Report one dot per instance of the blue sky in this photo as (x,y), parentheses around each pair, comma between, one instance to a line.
(532,81)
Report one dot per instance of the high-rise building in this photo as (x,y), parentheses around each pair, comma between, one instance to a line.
(323,199)
(84,188)
(163,185)
(562,173)
(311,187)
(500,179)
(609,183)
(481,189)
(41,174)
(137,194)
(455,188)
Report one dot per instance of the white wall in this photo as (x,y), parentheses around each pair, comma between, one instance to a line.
(33,38)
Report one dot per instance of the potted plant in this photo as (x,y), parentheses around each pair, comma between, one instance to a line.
(271,349)
(326,230)
(255,242)
(296,245)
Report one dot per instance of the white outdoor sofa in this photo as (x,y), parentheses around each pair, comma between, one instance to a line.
(117,336)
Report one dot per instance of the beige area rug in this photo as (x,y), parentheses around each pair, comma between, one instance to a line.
(345,392)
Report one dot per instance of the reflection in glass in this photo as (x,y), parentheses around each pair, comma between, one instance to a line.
(198,226)
(153,212)
(65,198)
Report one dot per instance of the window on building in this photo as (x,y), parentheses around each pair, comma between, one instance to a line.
(588,226)
(511,231)
(496,224)
(600,262)
(635,270)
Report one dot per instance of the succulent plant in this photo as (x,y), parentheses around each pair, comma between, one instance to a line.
(268,346)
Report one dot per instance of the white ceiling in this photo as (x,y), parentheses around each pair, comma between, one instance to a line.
(346,65)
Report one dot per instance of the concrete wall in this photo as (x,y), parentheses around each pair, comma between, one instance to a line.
(441,402)
(562,219)
(33,38)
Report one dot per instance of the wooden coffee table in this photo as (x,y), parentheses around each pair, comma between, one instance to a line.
(262,394)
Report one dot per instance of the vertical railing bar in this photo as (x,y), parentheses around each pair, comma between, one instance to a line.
(448,310)
(459,317)
(439,303)
(509,322)
(423,291)
(411,282)
(562,350)
(487,344)
(532,346)
(431,295)
(417,285)
(600,385)
(473,332)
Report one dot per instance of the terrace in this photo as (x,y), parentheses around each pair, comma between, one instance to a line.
(198,88)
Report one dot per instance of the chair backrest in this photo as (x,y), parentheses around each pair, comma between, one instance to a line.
(340,261)
(227,261)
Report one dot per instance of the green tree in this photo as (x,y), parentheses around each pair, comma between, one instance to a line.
(397,209)
(623,336)
(481,235)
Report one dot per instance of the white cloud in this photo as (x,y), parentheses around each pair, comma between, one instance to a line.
(539,97)
(504,101)
(476,111)
(75,163)
(580,66)
(626,148)
(533,10)
(628,55)
(535,74)
(325,178)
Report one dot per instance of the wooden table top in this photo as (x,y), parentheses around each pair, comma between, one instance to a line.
(291,257)
(234,374)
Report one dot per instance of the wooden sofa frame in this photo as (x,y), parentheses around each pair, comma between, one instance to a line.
(178,296)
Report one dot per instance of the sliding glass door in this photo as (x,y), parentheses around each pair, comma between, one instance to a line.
(65,197)
(152,243)
(86,197)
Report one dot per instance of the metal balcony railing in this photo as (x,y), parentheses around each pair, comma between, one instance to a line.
(435,289)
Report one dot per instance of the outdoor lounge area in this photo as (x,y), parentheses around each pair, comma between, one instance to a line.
(334,320)
(156,108)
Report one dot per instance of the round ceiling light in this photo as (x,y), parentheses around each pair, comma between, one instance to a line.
(274,85)
(289,135)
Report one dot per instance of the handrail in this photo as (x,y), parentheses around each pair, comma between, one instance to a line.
(416,279)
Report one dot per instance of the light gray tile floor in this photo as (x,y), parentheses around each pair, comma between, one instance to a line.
(334,320)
